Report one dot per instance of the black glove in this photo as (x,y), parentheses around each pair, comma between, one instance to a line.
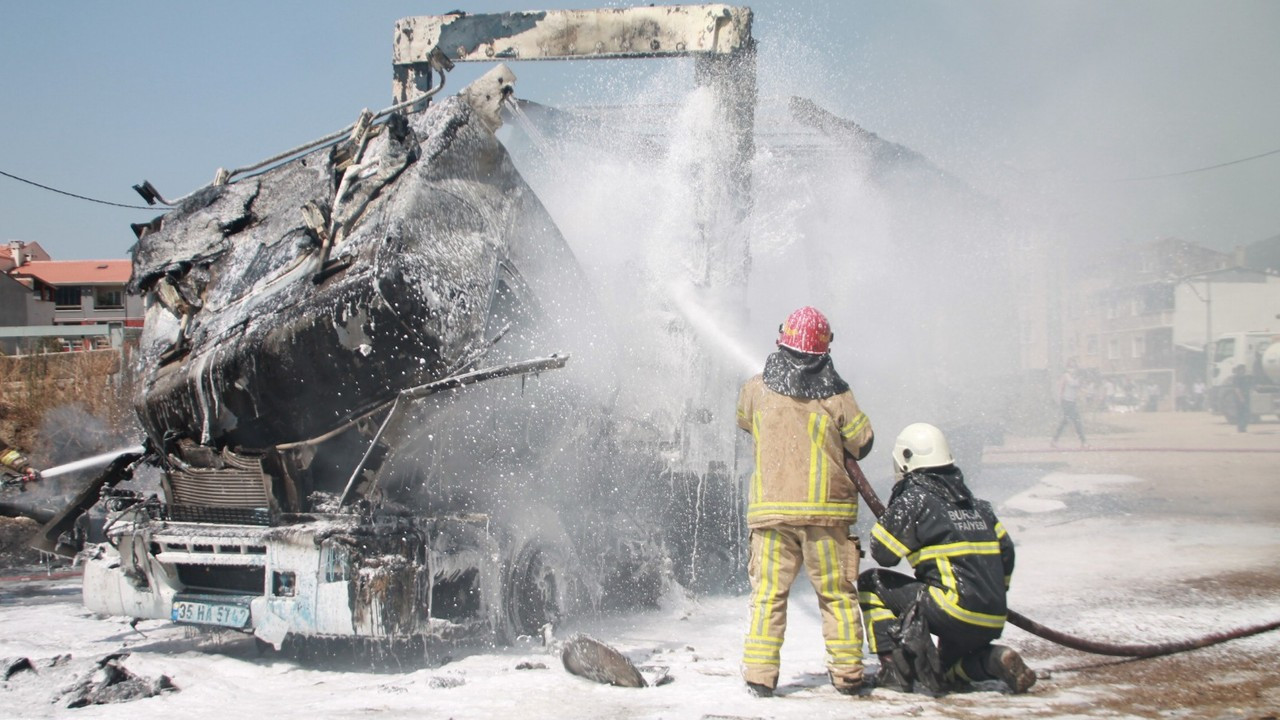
(914,653)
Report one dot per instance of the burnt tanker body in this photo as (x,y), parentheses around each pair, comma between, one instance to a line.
(355,379)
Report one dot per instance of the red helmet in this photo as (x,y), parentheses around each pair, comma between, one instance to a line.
(806,330)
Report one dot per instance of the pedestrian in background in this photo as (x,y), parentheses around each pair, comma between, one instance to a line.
(1068,394)
(1241,389)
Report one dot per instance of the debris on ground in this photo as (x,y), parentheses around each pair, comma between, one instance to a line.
(446,681)
(587,657)
(111,682)
(14,665)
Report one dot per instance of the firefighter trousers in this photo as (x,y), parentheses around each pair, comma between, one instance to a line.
(830,556)
(962,648)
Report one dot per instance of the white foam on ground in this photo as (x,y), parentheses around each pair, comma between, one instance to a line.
(1046,495)
(1117,578)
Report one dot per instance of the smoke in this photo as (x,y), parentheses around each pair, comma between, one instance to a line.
(909,263)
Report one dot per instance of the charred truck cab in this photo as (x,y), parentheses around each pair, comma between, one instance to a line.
(356,386)
(307,328)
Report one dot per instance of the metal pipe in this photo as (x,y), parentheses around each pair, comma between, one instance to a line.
(1017,619)
(333,137)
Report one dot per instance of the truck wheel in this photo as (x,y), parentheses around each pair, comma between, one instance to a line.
(540,587)
(532,591)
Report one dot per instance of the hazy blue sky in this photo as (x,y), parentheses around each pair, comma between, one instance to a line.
(1048,105)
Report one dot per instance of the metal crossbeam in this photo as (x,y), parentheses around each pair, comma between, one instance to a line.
(639,32)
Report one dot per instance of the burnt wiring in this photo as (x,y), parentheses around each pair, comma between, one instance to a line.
(71,194)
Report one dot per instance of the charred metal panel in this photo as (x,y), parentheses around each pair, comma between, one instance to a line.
(253,338)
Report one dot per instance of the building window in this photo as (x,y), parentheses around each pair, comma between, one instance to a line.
(1091,345)
(1139,346)
(109,298)
(1113,349)
(67,297)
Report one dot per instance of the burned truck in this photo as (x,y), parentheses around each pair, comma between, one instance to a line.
(379,401)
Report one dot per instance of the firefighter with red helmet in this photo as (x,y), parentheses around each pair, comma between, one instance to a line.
(15,464)
(803,418)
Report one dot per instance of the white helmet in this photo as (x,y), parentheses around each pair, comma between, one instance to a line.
(920,445)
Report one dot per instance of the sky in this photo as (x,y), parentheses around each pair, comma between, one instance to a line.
(1063,111)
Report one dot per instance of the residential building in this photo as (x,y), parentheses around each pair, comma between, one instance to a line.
(42,296)
(16,252)
(1138,319)
(19,307)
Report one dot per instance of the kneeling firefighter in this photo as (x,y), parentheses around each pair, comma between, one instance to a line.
(963,560)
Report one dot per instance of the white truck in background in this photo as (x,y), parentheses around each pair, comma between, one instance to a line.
(1259,353)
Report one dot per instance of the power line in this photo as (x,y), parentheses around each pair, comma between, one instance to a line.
(1211,167)
(78,197)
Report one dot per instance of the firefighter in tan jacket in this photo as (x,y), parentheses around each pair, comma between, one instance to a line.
(801,502)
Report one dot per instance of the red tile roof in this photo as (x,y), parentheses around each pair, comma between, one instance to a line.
(77,272)
(31,250)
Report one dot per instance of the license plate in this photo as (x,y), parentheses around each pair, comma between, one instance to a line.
(202,613)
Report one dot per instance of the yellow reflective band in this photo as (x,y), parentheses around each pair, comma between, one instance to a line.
(843,644)
(1000,531)
(952,608)
(933,552)
(888,540)
(845,651)
(854,426)
(825,586)
(958,671)
(832,510)
(824,477)
(760,652)
(817,458)
(10,457)
(760,661)
(878,614)
(948,577)
(829,583)
(757,478)
(766,597)
(875,616)
(867,597)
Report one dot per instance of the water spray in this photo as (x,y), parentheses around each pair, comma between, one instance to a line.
(710,328)
(90,462)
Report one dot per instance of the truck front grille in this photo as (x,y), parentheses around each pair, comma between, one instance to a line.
(233,481)
(217,515)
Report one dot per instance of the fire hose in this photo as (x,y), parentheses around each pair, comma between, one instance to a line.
(1077,643)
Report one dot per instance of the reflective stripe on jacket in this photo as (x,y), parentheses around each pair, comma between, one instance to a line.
(955,543)
(13,460)
(799,476)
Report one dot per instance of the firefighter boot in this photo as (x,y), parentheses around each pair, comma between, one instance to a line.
(759,690)
(1007,665)
(891,676)
(845,686)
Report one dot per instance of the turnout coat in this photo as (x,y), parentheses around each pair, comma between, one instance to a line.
(954,541)
(800,443)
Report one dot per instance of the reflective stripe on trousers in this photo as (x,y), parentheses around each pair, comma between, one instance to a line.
(830,558)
